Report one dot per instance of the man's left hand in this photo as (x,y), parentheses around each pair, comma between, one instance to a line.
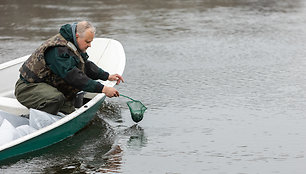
(115,77)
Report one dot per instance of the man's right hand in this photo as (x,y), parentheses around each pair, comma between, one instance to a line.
(110,91)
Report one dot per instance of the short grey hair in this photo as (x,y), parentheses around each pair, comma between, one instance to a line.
(83,26)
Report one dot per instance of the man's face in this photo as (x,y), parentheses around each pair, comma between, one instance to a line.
(85,41)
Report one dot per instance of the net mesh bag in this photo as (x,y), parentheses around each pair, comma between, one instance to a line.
(137,110)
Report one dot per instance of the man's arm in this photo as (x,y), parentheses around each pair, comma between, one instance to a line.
(95,72)
(63,63)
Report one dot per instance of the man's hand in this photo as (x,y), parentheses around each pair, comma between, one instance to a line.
(115,77)
(110,91)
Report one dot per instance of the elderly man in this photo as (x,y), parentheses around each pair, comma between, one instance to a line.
(59,69)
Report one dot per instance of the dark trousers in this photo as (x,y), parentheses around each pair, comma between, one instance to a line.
(43,97)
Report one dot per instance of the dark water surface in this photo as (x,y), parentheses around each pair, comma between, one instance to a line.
(223,80)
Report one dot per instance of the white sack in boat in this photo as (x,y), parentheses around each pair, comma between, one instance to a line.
(7,132)
(40,119)
(25,130)
(14,119)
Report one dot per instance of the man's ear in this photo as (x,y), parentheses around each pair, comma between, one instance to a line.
(77,35)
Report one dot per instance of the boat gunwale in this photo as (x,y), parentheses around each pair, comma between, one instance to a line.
(13,62)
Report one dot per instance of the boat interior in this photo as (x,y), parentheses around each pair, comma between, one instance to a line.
(9,75)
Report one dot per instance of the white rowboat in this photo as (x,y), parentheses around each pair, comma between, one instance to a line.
(106,53)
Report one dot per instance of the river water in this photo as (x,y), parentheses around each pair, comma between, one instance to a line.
(223,80)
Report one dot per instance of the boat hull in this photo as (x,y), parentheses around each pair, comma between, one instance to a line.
(53,136)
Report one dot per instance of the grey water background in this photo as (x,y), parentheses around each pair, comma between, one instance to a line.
(223,80)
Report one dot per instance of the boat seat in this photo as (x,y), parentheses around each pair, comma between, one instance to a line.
(12,105)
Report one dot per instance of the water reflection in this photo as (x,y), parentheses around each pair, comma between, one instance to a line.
(137,138)
(113,161)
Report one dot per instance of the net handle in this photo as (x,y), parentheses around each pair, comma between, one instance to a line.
(127,97)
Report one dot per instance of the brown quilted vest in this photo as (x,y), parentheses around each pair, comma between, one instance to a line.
(35,70)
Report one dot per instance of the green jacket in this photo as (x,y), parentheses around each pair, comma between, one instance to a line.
(63,63)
